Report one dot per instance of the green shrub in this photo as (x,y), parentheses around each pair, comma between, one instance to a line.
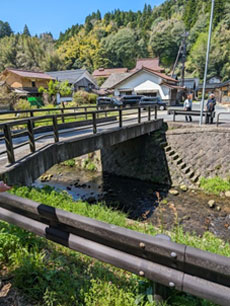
(69,163)
(23,104)
(84,98)
(215,185)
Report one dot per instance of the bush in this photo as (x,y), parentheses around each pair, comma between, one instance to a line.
(23,105)
(84,98)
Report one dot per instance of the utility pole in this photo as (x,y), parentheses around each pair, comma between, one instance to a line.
(183,58)
(206,64)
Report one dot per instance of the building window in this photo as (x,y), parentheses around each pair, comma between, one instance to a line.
(33,84)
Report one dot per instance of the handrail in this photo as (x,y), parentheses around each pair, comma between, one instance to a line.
(30,125)
(200,273)
(218,117)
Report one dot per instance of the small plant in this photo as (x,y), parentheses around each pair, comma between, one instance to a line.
(215,185)
(69,163)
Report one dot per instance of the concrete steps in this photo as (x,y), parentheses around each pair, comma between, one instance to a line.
(186,171)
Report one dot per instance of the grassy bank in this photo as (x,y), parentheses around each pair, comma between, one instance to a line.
(49,274)
(215,185)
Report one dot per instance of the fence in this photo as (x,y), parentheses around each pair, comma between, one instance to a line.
(173,265)
(96,119)
(221,114)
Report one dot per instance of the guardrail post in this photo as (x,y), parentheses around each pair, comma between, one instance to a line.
(55,129)
(9,144)
(86,116)
(120,118)
(149,113)
(139,115)
(161,292)
(174,116)
(94,123)
(155,112)
(31,136)
(62,117)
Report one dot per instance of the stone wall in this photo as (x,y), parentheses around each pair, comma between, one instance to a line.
(203,151)
(181,154)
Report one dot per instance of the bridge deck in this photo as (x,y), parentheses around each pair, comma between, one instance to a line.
(72,143)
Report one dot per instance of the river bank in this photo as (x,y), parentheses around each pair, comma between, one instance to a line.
(145,201)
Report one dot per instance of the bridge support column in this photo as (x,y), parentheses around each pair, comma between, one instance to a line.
(141,158)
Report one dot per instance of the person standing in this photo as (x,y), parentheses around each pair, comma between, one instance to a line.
(188,107)
(211,104)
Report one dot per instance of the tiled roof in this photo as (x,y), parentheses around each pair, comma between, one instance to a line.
(67,75)
(29,74)
(115,78)
(104,72)
(150,63)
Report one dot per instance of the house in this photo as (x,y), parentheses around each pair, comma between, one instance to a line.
(25,82)
(106,72)
(149,63)
(191,84)
(80,79)
(143,82)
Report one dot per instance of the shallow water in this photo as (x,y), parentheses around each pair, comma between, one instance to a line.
(140,200)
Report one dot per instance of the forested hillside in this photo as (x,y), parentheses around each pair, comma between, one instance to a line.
(118,38)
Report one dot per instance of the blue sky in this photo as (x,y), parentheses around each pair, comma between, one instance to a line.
(57,15)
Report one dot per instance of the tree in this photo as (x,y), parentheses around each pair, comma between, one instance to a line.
(26,31)
(5,29)
(55,87)
(121,48)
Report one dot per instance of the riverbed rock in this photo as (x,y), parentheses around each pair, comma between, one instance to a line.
(227,194)
(183,187)
(218,208)
(211,203)
(174,192)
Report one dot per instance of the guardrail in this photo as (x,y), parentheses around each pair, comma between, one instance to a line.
(173,265)
(218,117)
(177,111)
(93,123)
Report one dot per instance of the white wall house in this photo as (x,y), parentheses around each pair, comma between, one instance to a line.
(143,82)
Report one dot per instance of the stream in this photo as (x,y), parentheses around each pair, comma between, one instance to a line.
(145,201)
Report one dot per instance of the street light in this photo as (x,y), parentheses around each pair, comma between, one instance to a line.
(206,64)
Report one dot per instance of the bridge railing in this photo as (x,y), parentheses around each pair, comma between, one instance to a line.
(30,113)
(200,273)
(222,114)
(26,134)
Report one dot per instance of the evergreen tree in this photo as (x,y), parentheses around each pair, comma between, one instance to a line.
(5,29)
(26,31)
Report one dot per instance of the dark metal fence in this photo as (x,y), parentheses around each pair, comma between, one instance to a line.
(222,114)
(173,265)
(93,120)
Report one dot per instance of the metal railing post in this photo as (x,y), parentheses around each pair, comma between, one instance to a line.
(94,123)
(120,118)
(31,115)
(55,129)
(86,116)
(9,144)
(149,113)
(155,117)
(62,117)
(31,136)
(139,115)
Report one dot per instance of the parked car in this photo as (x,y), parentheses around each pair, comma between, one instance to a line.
(149,101)
(131,100)
(108,102)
